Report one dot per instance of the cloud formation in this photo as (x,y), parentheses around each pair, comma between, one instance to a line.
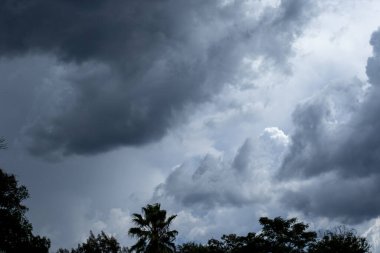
(130,69)
(214,182)
(336,147)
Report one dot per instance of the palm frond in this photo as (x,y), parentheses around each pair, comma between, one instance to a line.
(170,219)
(153,230)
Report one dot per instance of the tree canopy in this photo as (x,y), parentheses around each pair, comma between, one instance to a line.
(153,231)
(280,235)
(285,235)
(102,243)
(15,229)
(342,240)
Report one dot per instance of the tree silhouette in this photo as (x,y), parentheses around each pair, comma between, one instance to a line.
(285,235)
(192,247)
(278,235)
(342,240)
(102,243)
(15,230)
(232,243)
(152,231)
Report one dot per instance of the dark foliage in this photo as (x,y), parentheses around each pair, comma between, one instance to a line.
(283,236)
(102,243)
(15,230)
(192,247)
(153,231)
(341,240)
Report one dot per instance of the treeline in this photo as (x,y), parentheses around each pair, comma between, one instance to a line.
(278,235)
(153,233)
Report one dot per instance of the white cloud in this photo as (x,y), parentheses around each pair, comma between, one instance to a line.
(373,234)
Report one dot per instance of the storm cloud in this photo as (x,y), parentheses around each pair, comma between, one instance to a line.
(336,150)
(130,68)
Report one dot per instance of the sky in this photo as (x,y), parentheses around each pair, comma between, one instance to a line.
(223,111)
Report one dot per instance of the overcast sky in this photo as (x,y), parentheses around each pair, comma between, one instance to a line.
(223,111)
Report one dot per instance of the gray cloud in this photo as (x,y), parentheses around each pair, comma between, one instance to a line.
(346,148)
(137,65)
(350,201)
(211,184)
(214,182)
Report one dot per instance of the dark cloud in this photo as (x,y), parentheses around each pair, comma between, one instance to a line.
(308,154)
(324,143)
(349,201)
(139,63)
(374,61)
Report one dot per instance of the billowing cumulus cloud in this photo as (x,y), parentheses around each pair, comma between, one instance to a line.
(336,147)
(130,68)
(214,182)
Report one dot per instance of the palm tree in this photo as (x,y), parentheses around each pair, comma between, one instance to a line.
(153,231)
